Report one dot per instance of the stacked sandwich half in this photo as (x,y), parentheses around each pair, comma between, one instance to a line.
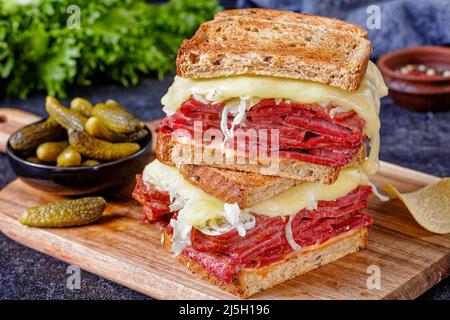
(262,171)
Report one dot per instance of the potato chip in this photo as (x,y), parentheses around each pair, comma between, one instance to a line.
(430,206)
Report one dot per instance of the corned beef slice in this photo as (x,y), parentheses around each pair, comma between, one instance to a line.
(226,254)
(267,243)
(156,203)
(306,131)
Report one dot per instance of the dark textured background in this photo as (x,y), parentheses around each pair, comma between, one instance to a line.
(403,23)
(414,140)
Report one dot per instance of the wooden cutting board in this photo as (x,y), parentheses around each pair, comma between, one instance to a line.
(127,251)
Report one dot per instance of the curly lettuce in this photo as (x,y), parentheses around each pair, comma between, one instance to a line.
(118,40)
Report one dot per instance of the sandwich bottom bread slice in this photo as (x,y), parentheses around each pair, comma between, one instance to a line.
(249,281)
(253,246)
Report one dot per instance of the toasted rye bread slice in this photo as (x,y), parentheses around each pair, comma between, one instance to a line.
(244,188)
(248,282)
(169,151)
(277,43)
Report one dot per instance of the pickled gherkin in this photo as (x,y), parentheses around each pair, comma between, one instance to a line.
(32,136)
(138,135)
(101,150)
(66,213)
(96,129)
(116,118)
(106,132)
(49,151)
(67,118)
(81,106)
(69,158)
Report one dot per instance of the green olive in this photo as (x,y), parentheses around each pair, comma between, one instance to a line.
(69,158)
(90,163)
(81,106)
(49,151)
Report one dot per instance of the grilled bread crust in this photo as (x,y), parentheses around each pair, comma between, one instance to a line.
(248,282)
(277,43)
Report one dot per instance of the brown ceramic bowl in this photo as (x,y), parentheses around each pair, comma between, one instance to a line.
(413,92)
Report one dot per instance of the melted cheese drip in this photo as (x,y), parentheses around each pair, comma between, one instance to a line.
(201,207)
(365,101)
(198,206)
(307,194)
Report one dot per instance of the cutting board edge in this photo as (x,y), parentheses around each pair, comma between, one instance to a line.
(8,225)
(432,276)
(402,171)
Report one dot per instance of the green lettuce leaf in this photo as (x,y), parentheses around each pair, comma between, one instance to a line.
(118,40)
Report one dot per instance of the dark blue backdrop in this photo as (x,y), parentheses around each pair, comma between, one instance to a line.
(404,23)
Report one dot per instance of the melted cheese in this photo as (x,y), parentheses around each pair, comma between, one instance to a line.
(307,194)
(200,207)
(365,101)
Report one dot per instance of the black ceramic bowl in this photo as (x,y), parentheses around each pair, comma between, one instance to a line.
(80,180)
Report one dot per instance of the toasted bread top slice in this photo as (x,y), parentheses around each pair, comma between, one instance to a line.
(277,43)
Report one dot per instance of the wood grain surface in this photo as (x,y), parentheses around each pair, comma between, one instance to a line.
(128,251)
